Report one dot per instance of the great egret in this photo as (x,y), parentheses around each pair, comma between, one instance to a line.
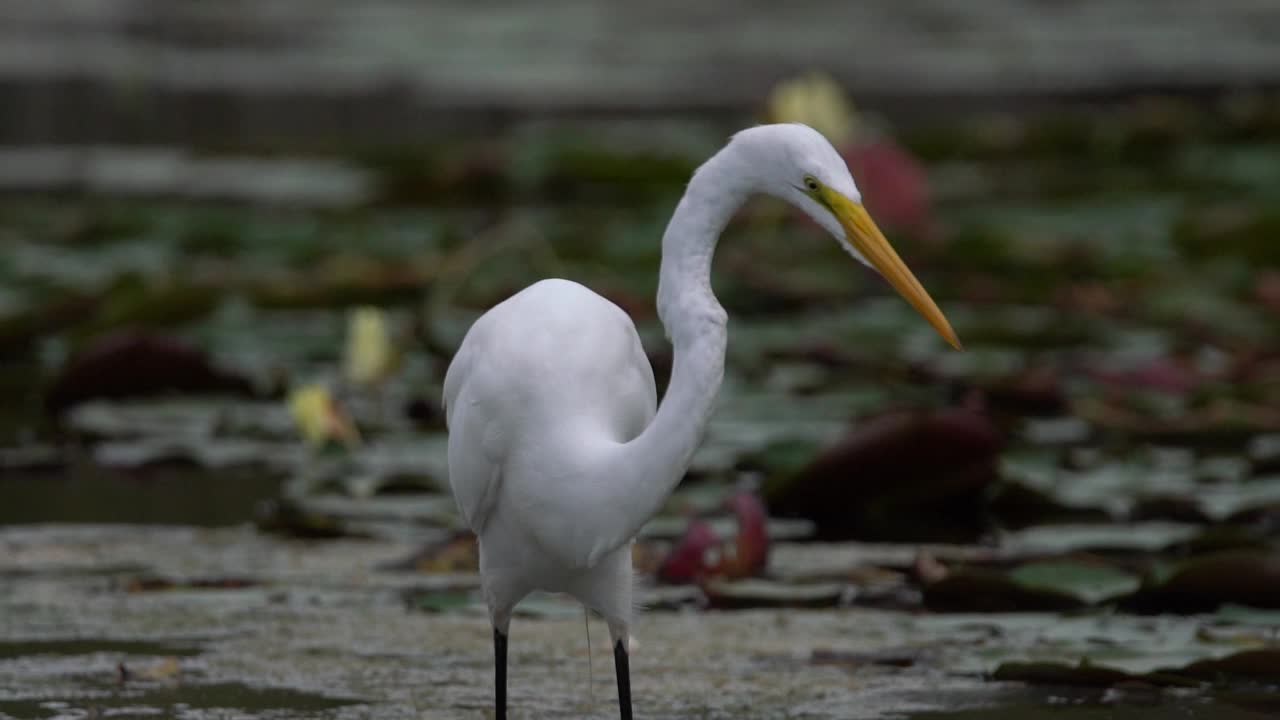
(556,454)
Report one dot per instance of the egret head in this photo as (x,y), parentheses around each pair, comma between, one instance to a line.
(796,163)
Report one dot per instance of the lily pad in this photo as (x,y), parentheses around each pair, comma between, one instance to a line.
(137,365)
(758,593)
(1206,582)
(1262,664)
(1017,505)
(1134,537)
(980,590)
(1247,665)
(867,484)
(1091,582)
(1244,615)
(1085,674)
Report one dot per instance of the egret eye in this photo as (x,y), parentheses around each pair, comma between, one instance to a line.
(811,183)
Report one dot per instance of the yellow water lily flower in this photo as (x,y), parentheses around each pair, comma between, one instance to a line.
(818,101)
(319,418)
(371,356)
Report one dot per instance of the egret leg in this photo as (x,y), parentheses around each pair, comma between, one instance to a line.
(622,665)
(500,674)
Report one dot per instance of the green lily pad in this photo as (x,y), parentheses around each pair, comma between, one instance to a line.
(1091,582)
(1134,537)
(1245,615)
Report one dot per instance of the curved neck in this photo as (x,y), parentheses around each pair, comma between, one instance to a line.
(685,300)
(644,471)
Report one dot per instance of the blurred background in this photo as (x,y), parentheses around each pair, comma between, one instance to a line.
(240,241)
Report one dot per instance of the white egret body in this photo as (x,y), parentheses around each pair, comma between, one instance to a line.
(558,453)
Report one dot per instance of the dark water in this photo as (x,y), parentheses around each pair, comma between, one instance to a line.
(178,701)
(85,646)
(1156,708)
(163,494)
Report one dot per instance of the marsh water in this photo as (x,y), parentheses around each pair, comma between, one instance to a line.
(170,621)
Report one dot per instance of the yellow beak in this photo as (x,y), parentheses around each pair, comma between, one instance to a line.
(867,239)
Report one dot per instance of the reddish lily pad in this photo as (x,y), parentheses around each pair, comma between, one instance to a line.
(136,364)
(1241,577)
(981,590)
(865,485)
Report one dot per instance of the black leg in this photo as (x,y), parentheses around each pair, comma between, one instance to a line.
(500,674)
(623,667)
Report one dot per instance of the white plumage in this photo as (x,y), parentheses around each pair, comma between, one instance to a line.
(557,451)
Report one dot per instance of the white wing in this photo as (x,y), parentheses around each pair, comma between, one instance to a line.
(550,355)
(474,464)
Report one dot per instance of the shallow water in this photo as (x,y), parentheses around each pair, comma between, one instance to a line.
(315,630)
